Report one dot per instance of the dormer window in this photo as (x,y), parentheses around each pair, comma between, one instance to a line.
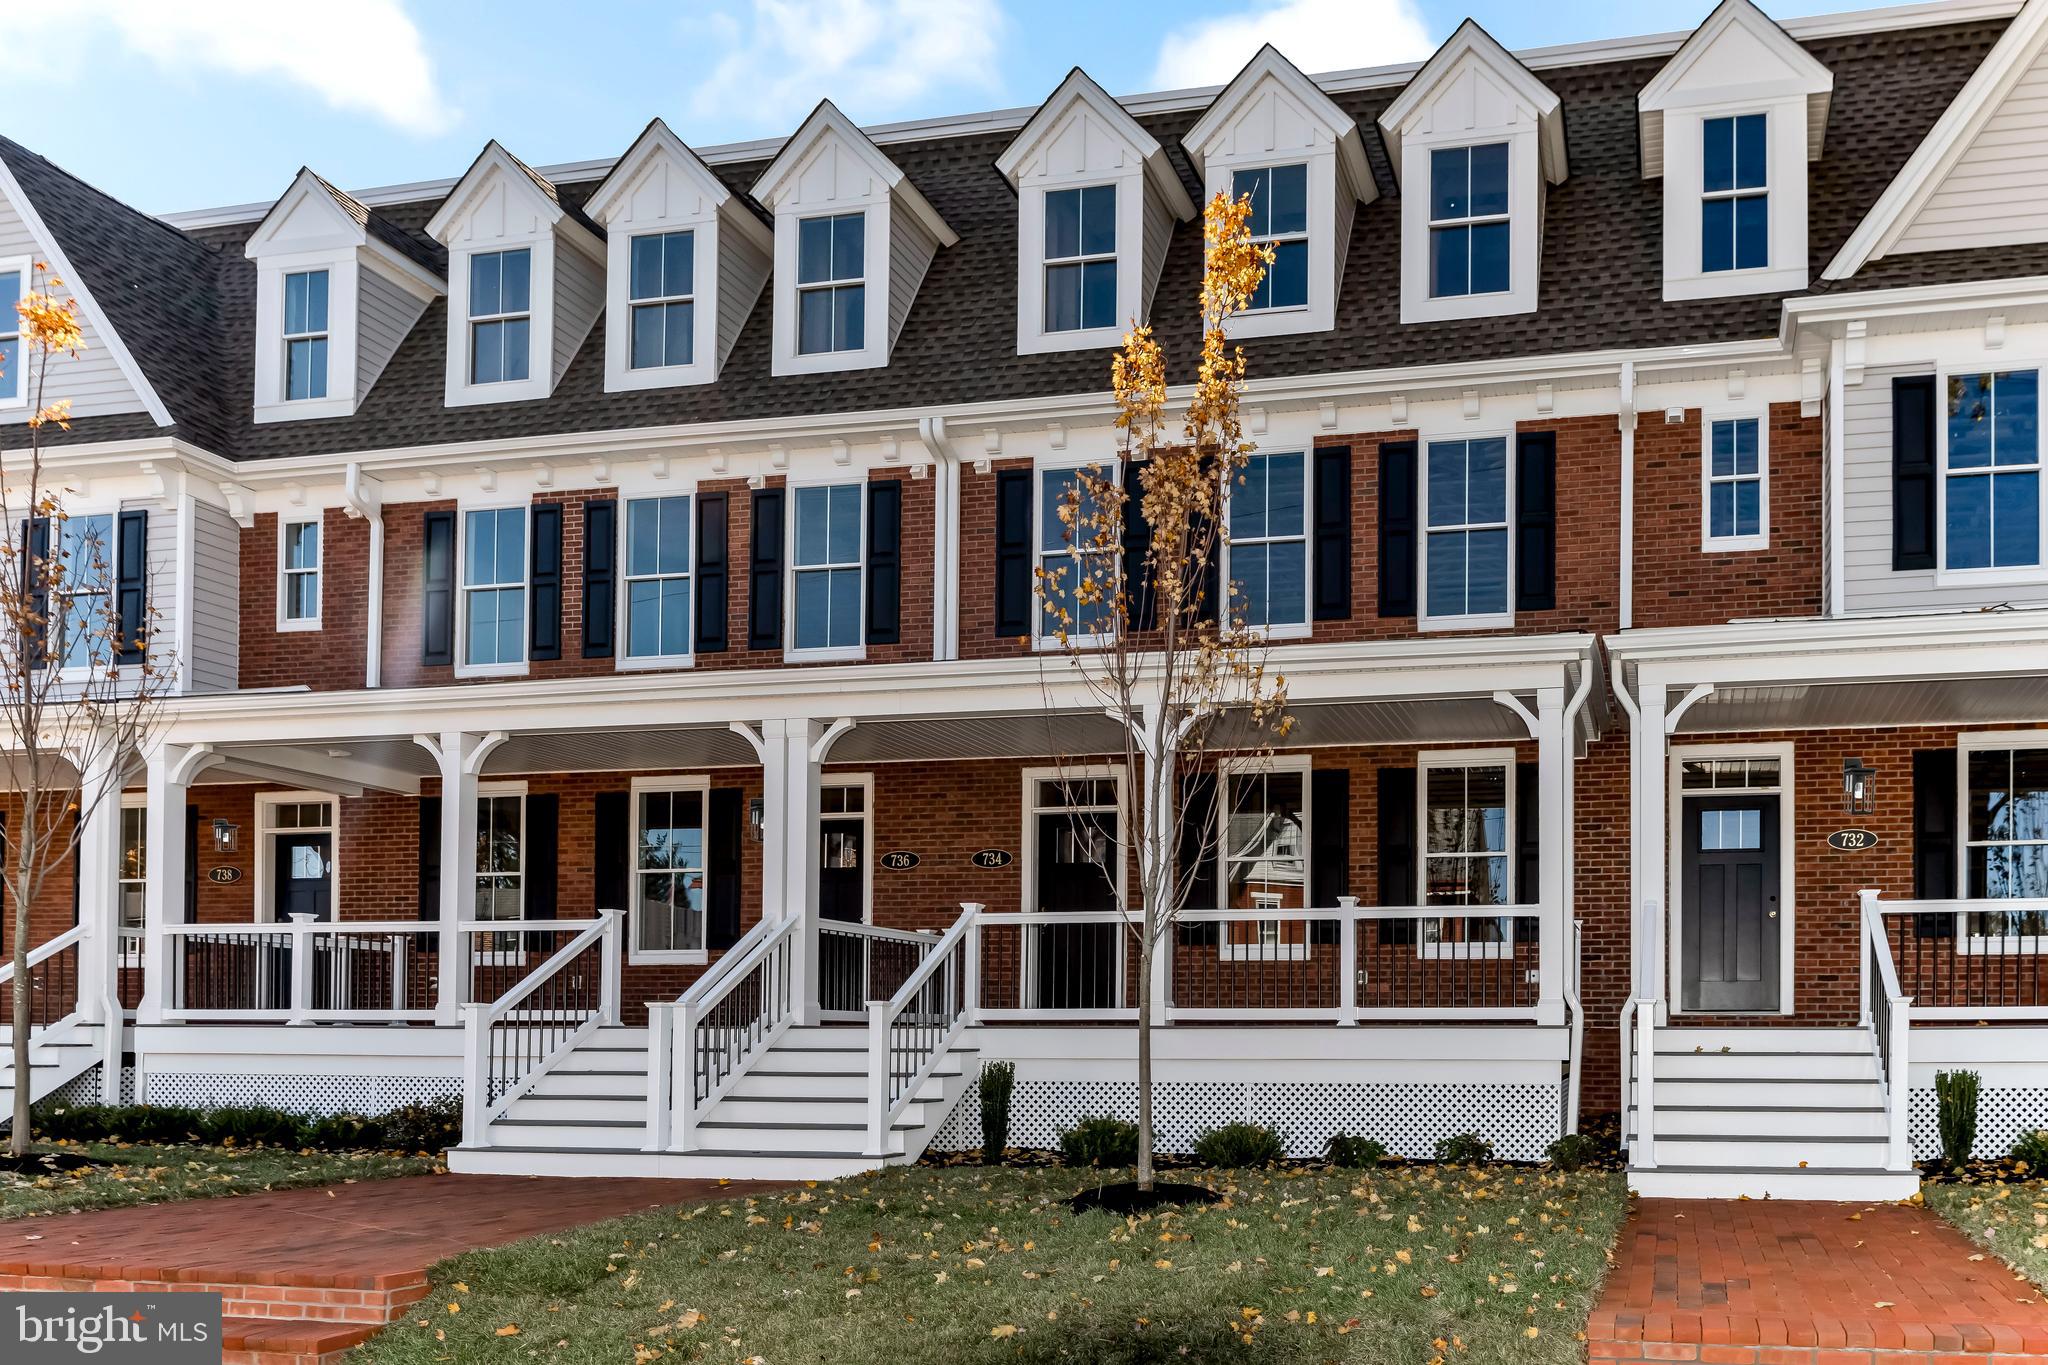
(1279,220)
(500,315)
(305,335)
(10,336)
(1468,221)
(1080,258)
(1735,218)
(663,294)
(831,265)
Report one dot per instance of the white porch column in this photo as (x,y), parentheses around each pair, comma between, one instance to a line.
(1553,758)
(99,883)
(170,769)
(790,767)
(1651,824)
(460,755)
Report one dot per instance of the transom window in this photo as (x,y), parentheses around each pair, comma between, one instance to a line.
(1992,483)
(1279,219)
(82,605)
(1466,548)
(500,830)
(1080,258)
(500,315)
(10,336)
(300,567)
(1468,220)
(827,568)
(1075,562)
(1466,830)
(1735,482)
(658,578)
(2005,853)
(305,335)
(1735,219)
(494,586)
(831,298)
(1268,550)
(662,288)
(669,876)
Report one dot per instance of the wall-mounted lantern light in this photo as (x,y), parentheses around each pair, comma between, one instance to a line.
(757,817)
(1859,787)
(227,836)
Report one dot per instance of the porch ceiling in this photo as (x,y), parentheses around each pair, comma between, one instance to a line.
(1919,701)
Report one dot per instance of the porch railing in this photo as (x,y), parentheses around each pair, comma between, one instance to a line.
(1889,1011)
(131,948)
(52,980)
(910,1032)
(510,1042)
(1968,960)
(701,1043)
(862,962)
(301,971)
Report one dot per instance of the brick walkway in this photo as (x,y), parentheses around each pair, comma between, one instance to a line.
(1782,1283)
(305,1274)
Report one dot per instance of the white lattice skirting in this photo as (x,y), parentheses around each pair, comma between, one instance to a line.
(300,1094)
(85,1089)
(1521,1120)
(2003,1114)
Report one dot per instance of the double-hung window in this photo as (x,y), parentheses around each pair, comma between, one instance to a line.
(1078,561)
(662,289)
(1279,219)
(1265,859)
(669,873)
(305,335)
(11,377)
(299,575)
(2005,850)
(500,315)
(1992,482)
(1268,548)
(1466,832)
(1080,258)
(1468,220)
(494,588)
(134,873)
(1735,215)
(1466,546)
(831,293)
(826,568)
(658,578)
(1735,474)
(82,592)
(500,832)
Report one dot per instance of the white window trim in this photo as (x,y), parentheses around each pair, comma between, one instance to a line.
(112,549)
(1463,950)
(1524,217)
(1226,951)
(286,337)
(1472,621)
(472,321)
(1763,192)
(865,782)
(509,950)
(540,333)
(1293,630)
(1027,881)
(1944,576)
(1431,223)
(25,267)
(130,954)
(344,281)
(824,653)
(463,668)
(1032,336)
(1709,542)
(622,661)
(515,789)
(265,907)
(1967,943)
(834,283)
(285,572)
(874,276)
(1785,177)
(1674,896)
(635,954)
(693,298)
(1310,167)
(1041,638)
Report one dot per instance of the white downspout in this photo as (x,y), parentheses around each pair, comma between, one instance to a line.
(945,537)
(1635,874)
(1627,418)
(1838,588)
(364,498)
(1573,1004)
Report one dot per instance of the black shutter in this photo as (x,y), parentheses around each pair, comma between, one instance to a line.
(713,560)
(1536,521)
(1195,856)
(437,588)
(1528,850)
(1013,552)
(1210,604)
(1913,472)
(611,851)
(430,857)
(1399,547)
(764,572)
(885,561)
(600,577)
(35,555)
(722,869)
(1331,498)
(540,859)
(131,585)
(1137,535)
(1934,837)
(1329,859)
(191,864)
(1398,881)
(544,601)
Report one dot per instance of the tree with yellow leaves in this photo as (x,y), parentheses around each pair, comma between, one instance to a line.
(1149,629)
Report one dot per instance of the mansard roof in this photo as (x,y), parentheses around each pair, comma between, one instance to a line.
(185,301)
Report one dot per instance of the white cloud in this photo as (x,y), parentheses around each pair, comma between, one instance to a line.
(1316,35)
(361,55)
(874,58)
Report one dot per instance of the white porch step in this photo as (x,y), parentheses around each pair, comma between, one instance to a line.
(1760,1151)
(1763,1038)
(595,1134)
(1807,1066)
(564,1082)
(53,1062)
(762,1083)
(1734,1120)
(833,1138)
(699,1165)
(591,1108)
(801,1109)
(1869,1185)
(1765,1092)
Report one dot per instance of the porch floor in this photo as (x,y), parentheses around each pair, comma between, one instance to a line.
(1774,1282)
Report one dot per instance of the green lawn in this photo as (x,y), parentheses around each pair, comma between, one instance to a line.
(156,1175)
(2008,1217)
(965,1264)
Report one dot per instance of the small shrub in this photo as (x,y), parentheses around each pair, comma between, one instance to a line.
(2031,1151)
(1955,1106)
(423,1125)
(1239,1146)
(1464,1149)
(998,1081)
(253,1125)
(1100,1142)
(343,1133)
(1356,1153)
(1574,1151)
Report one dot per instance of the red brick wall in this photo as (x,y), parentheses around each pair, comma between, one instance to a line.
(51,912)
(324,659)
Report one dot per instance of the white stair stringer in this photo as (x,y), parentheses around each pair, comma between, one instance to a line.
(57,1056)
(1767,1113)
(798,1113)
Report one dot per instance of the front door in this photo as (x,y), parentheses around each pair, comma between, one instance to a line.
(842,869)
(1075,965)
(1730,920)
(303,883)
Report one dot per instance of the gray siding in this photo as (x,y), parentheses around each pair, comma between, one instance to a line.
(742,271)
(1347,212)
(911,249)
(214,643)
(579,298)
(385,312)
(1158,234)
(1998,193)
(90,379)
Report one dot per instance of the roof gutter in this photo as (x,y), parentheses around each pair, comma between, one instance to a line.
(945,537)
(364,499)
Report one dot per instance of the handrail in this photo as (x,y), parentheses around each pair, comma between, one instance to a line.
(860,930)
(1575,1013)
(715,1052)
(498,1068)
(43,952)
(1889,1012)
(890,1088)
(1624,1027)
(728,962)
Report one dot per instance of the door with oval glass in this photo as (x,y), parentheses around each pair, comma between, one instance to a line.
(1730,913)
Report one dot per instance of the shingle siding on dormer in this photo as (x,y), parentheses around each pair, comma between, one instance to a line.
(384,314)
(91,379)
(911,248)
(579,298)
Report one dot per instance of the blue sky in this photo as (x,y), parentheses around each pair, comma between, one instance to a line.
(194,103)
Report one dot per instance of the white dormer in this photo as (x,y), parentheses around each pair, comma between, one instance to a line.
(335,295)
(1730,123)
(1474,139)
(1275,135)
(687,260)
(853,238)
(1096,205)
(525,282)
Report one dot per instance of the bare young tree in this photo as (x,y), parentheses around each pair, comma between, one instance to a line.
(81,689)
(1159,641)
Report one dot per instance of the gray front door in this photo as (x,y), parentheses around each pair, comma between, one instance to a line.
(1730,918)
